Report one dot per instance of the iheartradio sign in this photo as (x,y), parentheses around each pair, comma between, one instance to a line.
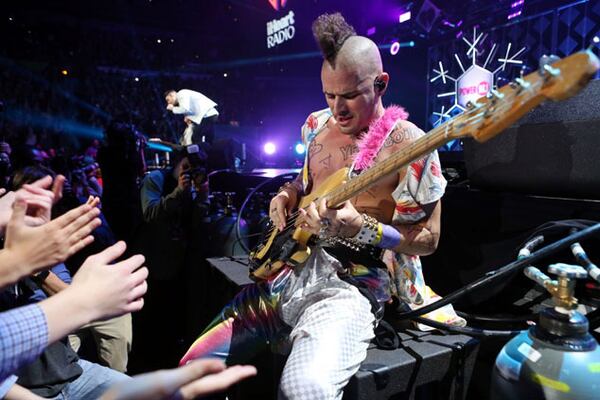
(473,84)
(280,30)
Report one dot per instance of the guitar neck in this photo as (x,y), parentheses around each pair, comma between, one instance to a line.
(423,145)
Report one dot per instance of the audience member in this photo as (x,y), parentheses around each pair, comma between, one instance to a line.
(58,372)
(29,249)
(99,290)
(198,378)
(113,337)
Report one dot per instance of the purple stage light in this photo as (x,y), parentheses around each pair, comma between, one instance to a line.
(371,31)
(395,48)
(517,3)
(514,15)
(269,148)
(404,17)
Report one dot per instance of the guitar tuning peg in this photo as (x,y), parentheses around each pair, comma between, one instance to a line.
(495,95)
(546,67)
(550,70)
(520,83)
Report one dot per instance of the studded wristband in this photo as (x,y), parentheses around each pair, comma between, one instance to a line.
(370,231)
(374,233)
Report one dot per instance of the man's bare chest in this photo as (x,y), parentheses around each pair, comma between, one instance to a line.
(328,153)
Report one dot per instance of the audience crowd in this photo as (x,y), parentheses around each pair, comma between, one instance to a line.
(64,274)
(62,270)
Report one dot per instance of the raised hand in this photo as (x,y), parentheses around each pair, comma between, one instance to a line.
(31,248)
(107,290)
(40,198)
(198,378)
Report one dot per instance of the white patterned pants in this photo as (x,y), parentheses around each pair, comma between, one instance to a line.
(329,343)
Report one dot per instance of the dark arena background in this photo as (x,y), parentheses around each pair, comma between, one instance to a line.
(83,88)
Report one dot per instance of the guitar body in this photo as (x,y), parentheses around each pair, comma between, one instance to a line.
(267,258)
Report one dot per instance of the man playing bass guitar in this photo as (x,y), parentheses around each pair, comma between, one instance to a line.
(325,309)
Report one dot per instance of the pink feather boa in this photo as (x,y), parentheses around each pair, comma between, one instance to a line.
(372,141)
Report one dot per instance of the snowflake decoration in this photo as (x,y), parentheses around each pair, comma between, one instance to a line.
(473,82)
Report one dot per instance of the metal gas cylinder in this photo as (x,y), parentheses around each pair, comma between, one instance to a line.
(556,359)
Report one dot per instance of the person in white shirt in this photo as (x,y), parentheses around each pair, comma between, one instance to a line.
(200,115)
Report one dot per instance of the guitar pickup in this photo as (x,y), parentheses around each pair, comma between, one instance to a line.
(287,250)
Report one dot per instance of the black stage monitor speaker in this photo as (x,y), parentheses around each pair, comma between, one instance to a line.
(552,151)
(230,154)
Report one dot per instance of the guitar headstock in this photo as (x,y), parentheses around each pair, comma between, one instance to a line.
(490,115)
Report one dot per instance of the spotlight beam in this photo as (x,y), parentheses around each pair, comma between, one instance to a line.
(43,82)
(55,123)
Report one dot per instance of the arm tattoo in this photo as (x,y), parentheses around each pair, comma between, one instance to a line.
(340,229)
(421,235)
(402,134)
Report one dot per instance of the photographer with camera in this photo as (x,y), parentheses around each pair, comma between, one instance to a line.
(175,211)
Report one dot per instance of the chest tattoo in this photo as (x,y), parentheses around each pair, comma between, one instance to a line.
(348,150)
(314,148)
(326,162)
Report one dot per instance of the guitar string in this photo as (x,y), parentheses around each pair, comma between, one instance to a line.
(429,137)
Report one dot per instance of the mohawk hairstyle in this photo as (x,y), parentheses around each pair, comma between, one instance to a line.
(330,32)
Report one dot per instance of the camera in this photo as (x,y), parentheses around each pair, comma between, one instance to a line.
(197,159)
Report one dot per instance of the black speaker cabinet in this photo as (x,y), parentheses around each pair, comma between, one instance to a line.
(553,151)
